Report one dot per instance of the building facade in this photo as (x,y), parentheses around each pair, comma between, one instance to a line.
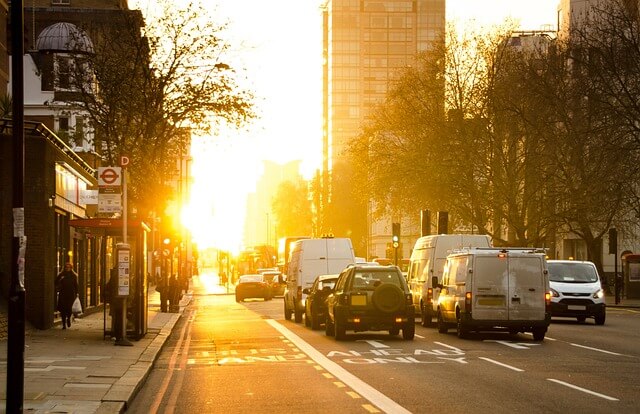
(366,43)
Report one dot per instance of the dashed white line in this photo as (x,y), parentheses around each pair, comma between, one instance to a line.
(575,387)
(596,349)
(501,364)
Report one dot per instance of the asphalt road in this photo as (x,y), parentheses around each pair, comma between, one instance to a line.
(230,358)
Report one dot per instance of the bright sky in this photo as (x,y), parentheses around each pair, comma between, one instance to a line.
(278,42)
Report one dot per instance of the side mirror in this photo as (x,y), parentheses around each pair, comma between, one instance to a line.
(434,282)
(306,291)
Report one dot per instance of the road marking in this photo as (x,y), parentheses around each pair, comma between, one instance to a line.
(380,400)
(339,384)
(516,345)
(501,364)
(375,344)
(353,395)
(419,336)
(597,349)
(575,387)
(370,408)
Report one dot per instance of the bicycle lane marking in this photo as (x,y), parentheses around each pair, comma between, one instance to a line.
(380,400)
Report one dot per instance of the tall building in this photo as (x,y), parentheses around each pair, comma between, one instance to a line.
(366,42)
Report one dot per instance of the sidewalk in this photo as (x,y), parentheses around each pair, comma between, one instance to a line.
(78,370)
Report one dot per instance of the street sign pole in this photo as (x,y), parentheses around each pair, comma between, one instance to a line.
(123,269)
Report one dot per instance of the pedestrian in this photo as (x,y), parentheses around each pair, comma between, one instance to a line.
(174,294)
(67,288)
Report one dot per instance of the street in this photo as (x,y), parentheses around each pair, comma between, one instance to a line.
(229,357)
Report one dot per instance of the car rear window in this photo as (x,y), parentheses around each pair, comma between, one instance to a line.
(250,278)
(369,280)
(572,272)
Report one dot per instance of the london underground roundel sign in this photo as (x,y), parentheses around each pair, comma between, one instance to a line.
(109,176)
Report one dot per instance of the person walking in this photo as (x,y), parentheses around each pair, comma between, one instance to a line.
(67,287)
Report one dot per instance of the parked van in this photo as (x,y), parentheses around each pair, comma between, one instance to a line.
(309,259)
(427,260)
(576,290)
(493,288)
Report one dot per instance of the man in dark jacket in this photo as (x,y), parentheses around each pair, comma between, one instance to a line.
(67,287)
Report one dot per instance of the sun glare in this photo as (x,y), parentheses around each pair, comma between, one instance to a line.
(223,174)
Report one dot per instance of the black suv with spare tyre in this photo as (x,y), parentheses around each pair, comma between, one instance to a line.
(370,298)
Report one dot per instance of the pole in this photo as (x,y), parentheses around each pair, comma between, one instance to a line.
(16,321)
(121,314)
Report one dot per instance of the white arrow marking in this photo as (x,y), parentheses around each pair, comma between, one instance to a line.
(516,345)
(373,343)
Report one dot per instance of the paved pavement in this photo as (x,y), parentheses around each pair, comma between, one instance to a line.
(79,371)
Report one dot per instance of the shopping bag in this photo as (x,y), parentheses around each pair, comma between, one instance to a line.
(76,309)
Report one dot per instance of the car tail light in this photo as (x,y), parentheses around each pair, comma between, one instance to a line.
(430,295)
(398,320)
(356,320)
(467,302)
(547,301)
(299,293)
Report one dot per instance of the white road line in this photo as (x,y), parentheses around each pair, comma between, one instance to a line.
(575,387)
(596,349)
(380,400)
(501,364)
(419,336)
(375,344)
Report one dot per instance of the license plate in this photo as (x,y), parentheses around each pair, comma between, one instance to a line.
(359,300)
(576,307)
(491,301)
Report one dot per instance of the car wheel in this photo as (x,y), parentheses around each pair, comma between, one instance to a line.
(409,331)
(442,327)
(581,319)
(339,330)
(297,315)
(315,323)
(426,317)
(538,333)
(461,329)
(307,319)
(600,318)
(287,312)
(394,331)
(328,327)
(388,298)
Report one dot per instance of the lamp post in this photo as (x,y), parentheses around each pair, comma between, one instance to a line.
(16,320)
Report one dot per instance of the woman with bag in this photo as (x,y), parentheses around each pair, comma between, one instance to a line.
(67,287)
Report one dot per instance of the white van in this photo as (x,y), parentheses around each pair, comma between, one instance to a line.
(427,260)
(576,290)
(310,258)
(487,289)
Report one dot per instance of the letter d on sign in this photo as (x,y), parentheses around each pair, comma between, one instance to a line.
(124,160)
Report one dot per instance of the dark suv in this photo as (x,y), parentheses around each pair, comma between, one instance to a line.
(370,298)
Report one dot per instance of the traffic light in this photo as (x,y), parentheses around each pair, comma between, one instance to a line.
(395,234)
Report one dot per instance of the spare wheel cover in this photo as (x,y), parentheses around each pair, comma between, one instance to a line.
(388,298)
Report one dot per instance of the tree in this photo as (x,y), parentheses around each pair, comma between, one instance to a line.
(153,89)
(292,209)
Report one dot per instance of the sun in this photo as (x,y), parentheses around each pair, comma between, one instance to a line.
(223,172)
